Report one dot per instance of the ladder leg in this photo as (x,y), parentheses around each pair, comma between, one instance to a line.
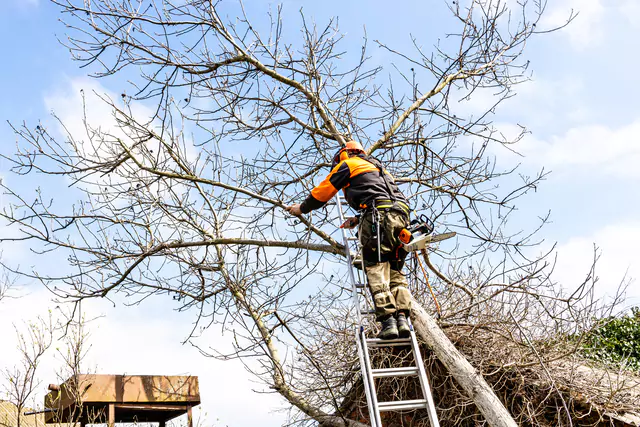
(373,403)
(366,377)
(424,380)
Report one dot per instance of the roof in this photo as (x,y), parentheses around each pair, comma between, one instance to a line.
(9,416)
(141,398)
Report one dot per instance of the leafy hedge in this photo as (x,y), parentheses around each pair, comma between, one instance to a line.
(616,340)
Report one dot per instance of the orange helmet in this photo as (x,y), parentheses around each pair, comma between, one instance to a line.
(343,153)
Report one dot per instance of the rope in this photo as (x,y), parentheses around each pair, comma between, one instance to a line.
(426,278)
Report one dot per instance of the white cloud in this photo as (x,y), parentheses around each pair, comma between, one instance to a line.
(612,152)
(595,19)
(619,254)
(585,30)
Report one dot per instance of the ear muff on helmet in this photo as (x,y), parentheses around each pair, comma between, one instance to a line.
(340,155)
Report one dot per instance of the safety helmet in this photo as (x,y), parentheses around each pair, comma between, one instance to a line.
(343,152)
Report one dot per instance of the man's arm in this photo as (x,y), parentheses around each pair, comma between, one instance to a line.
(349,223)
(323,192)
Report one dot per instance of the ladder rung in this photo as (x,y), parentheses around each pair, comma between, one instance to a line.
(365,312)
(357,263)
(378,342)
(394,372)
(360,286)
(402,405)
(352,238)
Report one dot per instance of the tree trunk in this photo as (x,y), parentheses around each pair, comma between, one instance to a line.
(471,381)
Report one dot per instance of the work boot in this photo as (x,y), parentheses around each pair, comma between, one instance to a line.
(403,326)
(389,329)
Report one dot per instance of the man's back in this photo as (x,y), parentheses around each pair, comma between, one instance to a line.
(363,182)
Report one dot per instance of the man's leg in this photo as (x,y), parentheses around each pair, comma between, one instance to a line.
(399,289)
(393,224)
(402,296)
(397,281)
(378,276)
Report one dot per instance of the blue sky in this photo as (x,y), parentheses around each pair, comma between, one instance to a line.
(581,108)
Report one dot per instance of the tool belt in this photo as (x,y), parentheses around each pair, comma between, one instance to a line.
(392,205)
(377,232)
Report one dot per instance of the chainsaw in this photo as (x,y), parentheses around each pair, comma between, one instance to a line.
(415,238)
(420,233)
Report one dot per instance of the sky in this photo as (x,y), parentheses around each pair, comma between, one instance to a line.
(580,107)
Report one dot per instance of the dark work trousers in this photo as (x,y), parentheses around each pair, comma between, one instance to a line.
(387,283)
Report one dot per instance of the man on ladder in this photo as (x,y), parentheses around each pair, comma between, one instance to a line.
(383,214)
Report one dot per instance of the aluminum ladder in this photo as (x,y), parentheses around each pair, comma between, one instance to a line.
(363,344)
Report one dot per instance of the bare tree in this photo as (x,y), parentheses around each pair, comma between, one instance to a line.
(20,381)
(72,371)
(189,202)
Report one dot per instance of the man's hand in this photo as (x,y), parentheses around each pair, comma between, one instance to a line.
(294,209)
(350,222)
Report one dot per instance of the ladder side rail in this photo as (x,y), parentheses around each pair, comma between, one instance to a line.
(424,380)
(361,276)
(365,377)
(375,421)
(347,250)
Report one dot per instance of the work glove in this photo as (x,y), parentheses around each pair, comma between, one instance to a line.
(350,222)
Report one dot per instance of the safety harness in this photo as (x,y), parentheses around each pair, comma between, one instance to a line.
(389,204)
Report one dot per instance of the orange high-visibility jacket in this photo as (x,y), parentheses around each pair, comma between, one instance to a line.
(362,182)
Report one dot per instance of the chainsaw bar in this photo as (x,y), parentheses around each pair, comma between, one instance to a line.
(440,237)
(416,245)
(422,241)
